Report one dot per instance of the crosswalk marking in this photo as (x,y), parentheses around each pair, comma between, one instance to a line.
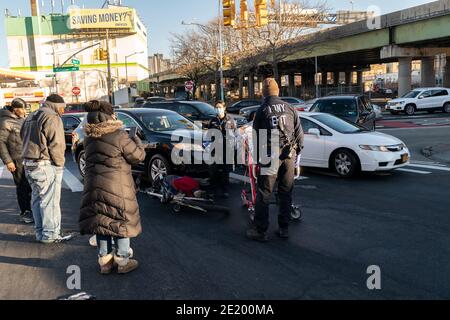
(412,171)
(1,171)
(433,167)
(72,182)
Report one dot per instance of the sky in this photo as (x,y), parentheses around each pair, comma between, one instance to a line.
(163,17)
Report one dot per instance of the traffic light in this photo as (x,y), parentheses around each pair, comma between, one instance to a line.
(97,54)
(229,12)
(262,17)
(244,13)
(226,62)
(104,54)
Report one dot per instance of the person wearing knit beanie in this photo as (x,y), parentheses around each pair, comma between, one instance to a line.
(270,88)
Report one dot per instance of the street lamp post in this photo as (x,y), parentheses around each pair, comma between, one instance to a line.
(126,74)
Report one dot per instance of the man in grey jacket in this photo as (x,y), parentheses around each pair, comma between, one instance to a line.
(11,120)
(44,147)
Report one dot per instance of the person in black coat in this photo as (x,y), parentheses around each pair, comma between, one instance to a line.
(109,207)
(11,146)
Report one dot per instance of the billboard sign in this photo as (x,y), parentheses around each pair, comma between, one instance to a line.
(113,18)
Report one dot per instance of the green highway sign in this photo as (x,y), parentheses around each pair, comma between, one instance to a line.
(75,61)
(66,69)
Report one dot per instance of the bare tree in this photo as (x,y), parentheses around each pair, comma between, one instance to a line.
(288,25)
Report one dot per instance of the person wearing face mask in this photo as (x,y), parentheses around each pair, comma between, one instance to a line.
(11,120)
(44,148)
(220,170)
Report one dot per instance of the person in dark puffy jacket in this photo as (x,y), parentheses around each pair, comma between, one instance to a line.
(11,120)
(109,208)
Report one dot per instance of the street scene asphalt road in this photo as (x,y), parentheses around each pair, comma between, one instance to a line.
(398,221)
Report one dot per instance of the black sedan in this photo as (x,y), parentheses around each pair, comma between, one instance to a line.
(168,137)
(71,121)
(354,108)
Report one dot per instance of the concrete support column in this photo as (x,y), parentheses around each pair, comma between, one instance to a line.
(348,78)
(308,80)
(251,85)
(291,89)
(446,82)
(359,78)
(404,75)
(241,86)
(428,72)
(324,79)
(336,78)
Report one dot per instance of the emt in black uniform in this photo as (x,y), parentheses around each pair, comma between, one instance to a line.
(278,117)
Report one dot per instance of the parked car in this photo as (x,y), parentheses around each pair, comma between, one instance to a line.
(354,108)
(156,99)
(71,121)
(422,99)
(156,129)
(342,146)
(139,102)
(249,112)
(74,108)
(236,107)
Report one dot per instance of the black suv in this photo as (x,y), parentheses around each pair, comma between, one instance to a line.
(161,131)
(354,108)
(236,107)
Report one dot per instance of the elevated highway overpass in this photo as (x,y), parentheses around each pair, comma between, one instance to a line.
(420,32)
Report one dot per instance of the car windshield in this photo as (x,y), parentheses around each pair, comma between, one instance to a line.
(411,94)
(338,124)
(338,107)
(205,108)
(166,122)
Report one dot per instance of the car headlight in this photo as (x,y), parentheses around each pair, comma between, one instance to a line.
(392,148)
(188,147)
(374,148)
(397,103)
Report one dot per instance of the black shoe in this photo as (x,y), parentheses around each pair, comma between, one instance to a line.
(26,217)
(254,234)
(283,233)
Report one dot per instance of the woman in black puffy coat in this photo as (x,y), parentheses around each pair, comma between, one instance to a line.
(109,208)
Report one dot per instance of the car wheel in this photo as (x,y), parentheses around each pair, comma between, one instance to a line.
(447,107)
(82,163)
(158,167)
(345,163)
(410,109)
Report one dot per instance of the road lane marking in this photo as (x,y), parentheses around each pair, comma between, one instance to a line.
(72,182)
(413,171)
(422,166)
(1,171)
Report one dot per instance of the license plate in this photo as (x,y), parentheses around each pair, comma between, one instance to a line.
(405,158)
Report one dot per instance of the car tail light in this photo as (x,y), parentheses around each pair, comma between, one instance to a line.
(300,109)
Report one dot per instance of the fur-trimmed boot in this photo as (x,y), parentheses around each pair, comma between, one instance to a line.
(125,265)
(106,264)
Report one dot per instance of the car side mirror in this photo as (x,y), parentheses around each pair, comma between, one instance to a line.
(314,132)
(421,97)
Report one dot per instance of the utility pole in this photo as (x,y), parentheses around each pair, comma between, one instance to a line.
(109,81)
(221,52)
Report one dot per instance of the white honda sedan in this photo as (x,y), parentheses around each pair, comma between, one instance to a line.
(346,148)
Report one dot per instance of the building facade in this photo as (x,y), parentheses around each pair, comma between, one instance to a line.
(41,42)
